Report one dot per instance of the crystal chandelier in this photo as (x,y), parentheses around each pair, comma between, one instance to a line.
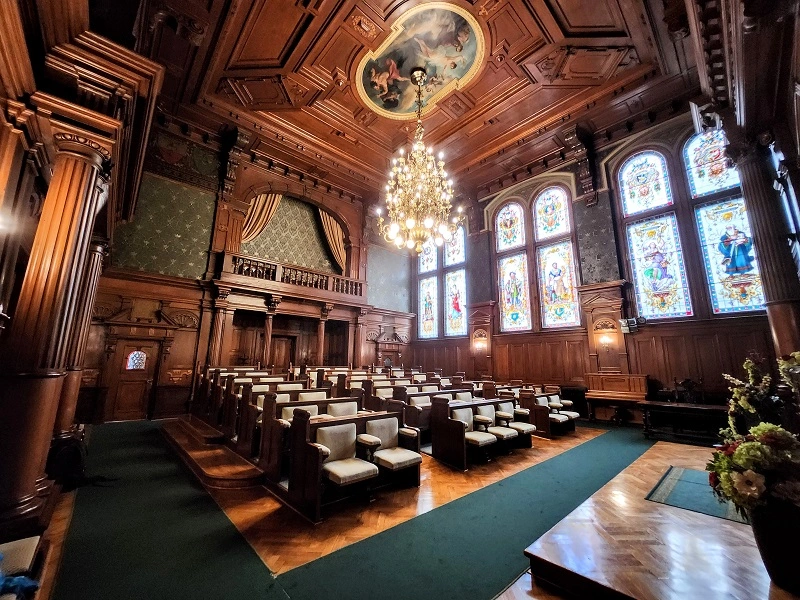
(418,193)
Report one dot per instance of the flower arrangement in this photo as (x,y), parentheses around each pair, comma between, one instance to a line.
(758,459)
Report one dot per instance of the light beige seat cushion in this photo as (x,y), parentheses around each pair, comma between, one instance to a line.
(342,409)
(479,438)
(402,382)
(445,381)
(355,384)
(412,389)
(502,433)
(384,392)
(418,378)
(283,387)
(397,458)
(18,555)
(420,401)
(287,412)
(384,429)
(558,417)
(570,413)
(306,396)
(464,396)
(349,470)
(281,398)
(464,415)
(522,428)
(430,388)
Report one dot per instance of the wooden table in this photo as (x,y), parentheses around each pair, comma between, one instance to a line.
(697,422)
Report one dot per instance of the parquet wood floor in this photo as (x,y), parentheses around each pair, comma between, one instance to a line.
(284,540)
(651,551)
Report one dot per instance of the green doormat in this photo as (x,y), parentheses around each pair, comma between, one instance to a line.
(689,489)
(151,531)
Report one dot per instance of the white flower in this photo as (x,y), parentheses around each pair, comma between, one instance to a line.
(749,484)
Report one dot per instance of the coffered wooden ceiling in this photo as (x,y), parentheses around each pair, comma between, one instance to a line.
(287,69)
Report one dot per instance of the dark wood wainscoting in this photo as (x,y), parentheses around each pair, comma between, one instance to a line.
(557,358)
(451,356)
(699,350)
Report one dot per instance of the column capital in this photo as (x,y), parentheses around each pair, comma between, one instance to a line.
(326,311)
(272,301)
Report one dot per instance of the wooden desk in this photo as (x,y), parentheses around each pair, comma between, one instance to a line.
(620,391)
(697,422)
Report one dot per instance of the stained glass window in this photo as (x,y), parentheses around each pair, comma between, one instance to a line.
(515,303)
(510,227)
(454,250)
(734,280)
(428,307)
(551,213)
(707,165)
(644,183)
(659,274)
(455,311)
(136,361)
(557,285)
(428,257)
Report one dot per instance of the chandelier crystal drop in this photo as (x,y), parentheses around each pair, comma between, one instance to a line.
(418,193)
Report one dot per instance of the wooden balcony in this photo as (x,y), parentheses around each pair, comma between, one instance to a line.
(257,274)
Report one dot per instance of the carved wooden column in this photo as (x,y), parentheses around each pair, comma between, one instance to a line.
(218,327)
(358,343)
(326,309)
(778,273)
(352,329)
(34,353)
(80,336)
(272,306)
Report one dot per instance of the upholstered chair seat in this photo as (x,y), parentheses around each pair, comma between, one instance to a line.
(430,388)
(507,413)
(464,396)
(390,455)
(500,432)
(445,381)
(306,396)
(341,465)
(412,389)
(343,409)
(418,378)
(287,412)
(475,438)
(402,382)
(420,402)
(556,403)
(384,392)
(285,387)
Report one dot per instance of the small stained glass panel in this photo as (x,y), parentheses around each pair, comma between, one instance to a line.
(510,227)
(428,308)
(707,165)
(558,286)
(644,183)
(136,361)
(455,251)
(734,279)
(551,213)
(659,273)
(428,258)
(515,302)
(455,310)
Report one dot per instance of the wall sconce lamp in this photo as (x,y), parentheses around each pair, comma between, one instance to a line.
(480,341)
(605,340)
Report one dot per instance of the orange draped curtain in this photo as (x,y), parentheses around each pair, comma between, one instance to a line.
(335,235)
(261,211)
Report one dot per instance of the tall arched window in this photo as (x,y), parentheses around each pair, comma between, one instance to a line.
(726,241)
(443,269)
(552,253)
(558,295)
(688,233)
(512,269)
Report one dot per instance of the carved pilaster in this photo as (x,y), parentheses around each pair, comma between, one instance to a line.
(581,148)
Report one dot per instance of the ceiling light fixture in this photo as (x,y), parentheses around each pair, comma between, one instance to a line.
(418,193)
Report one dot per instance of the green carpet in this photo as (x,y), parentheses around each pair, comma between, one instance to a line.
(154,533)
(689,489)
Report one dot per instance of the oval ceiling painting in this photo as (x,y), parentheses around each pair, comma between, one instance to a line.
(442,38)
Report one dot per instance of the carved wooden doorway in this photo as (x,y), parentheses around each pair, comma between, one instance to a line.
(282,352)
(134,371)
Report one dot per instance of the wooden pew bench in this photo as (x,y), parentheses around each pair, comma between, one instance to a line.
(339,457)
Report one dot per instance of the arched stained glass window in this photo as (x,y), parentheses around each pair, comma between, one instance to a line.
(515,302)
(558,285)
(455,311)
(428,257)
(734,279)
(707,166)
(551,213)
(136,361)
(510,227)
(454,251)
(644,183)
(429,307)
(659,272)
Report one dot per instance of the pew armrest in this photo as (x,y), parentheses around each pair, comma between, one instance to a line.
(522,412)
(366,445)
(482,420)
(409,438)
(283,423)
(324,451)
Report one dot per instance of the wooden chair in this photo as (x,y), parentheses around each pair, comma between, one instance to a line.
(453,431)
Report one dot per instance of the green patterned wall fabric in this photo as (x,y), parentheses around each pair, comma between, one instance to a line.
(171,231)
(293,236)
(388,278)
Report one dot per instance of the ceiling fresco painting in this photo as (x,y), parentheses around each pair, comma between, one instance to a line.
(443,39)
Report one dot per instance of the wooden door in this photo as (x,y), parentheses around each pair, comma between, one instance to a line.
(132,380)
(282,352)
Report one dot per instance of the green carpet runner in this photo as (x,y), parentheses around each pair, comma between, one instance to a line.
(154,533)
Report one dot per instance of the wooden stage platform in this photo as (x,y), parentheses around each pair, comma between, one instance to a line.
(619,545)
